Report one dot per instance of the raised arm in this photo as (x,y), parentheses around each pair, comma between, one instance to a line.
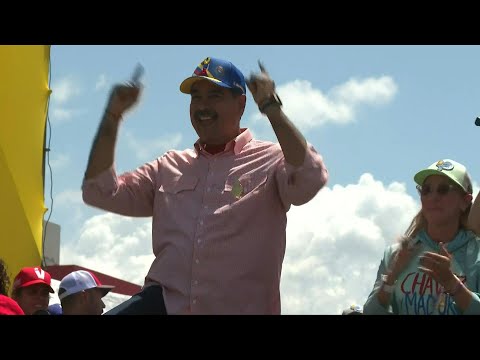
(291,140)
(122,98)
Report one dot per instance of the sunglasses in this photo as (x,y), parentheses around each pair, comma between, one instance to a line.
(442,189)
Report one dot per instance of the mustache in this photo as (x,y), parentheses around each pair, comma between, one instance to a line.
(201,113)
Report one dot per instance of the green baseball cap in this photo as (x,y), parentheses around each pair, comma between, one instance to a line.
(452,169)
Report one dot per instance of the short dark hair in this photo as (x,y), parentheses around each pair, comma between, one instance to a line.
(70,299)
(236,91)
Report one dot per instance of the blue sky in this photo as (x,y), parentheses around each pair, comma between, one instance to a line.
(377,114)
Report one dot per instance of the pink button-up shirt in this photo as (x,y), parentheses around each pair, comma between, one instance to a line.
(219,221)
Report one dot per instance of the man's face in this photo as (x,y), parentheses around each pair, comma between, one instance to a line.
(215,112)
(93,302)
(33,298)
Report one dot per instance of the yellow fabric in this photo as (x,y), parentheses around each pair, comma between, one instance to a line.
(24,93)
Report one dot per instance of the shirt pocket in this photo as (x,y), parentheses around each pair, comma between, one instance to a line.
(179,184)
(248,184)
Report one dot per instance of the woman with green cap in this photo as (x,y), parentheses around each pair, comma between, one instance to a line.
(434,268)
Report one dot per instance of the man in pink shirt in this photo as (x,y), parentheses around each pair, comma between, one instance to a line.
(219,210)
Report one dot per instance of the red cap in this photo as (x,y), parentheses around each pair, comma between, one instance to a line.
(30,276)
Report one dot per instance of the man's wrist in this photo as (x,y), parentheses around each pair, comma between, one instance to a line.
(272,100)
(109,124)
(112,115)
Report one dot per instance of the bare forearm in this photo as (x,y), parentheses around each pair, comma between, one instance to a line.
(291,140)
(103,147)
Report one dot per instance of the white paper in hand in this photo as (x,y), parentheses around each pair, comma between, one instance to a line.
(137,75)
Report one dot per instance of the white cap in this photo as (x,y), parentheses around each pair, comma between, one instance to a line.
(78,281)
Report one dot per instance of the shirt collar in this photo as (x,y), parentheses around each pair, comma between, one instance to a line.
(461,238)
(236,144)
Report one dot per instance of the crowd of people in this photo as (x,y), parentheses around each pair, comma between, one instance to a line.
(219,215)
(80,293)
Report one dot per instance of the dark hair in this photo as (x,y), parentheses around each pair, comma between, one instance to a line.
(69,300)
(236,92)
(4,278)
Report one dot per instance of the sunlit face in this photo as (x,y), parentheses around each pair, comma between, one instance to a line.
(33,298)
(215,112)
(443,201)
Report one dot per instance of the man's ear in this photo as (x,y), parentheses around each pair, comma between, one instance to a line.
(243,103)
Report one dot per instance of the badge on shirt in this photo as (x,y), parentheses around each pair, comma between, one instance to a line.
(237,190)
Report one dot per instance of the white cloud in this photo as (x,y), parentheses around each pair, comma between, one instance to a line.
(113,244)
(67,202)
(372,91)
(63,90)
(59,161)
(312,107)
(334,244)
(101,82)
(476,188)
(61,114)
(69,197)
(151,149)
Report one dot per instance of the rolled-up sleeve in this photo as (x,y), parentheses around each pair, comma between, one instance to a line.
(130,194)
(298,185)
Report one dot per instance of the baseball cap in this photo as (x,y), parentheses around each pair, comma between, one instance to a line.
(449,168)
(78,281)
(55,309)
(220,72)
(30,276)
(353,310)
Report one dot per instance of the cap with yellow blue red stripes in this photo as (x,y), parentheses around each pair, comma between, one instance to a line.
(220,72)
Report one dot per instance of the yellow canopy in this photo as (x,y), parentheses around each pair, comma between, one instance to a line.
(24,93)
